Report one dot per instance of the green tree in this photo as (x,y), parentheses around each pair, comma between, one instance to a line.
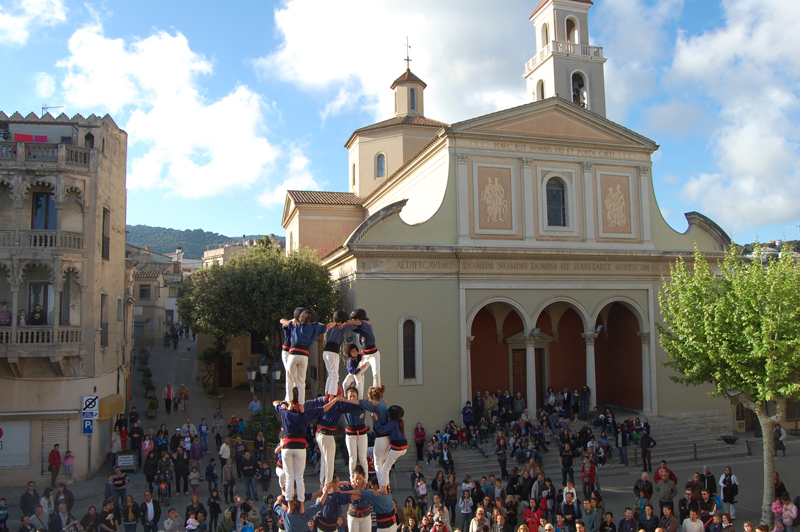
(274,284)
(737,328)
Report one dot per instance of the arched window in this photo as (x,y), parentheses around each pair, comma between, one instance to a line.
(412,99)
(354,174)
(540,90)
(579,94)
(409,339)
(545,36)
(556,203)
(572,31)
(380,166)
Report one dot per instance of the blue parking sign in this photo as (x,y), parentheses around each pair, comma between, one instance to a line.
(88,426)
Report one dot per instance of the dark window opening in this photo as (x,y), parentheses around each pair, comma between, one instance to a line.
(88,141)
(579,95)
(556,204)
(409,349)
(412,99)
(106,234)
(103,320)
(44,212)
(380,166)
(144,292)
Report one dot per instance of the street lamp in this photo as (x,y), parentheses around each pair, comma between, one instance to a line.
(276,376)
(251,376)
(263,368)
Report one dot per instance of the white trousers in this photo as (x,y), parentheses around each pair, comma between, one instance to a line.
(374,361)
(332,365)
(391,458)
(294,464)
(327,455)
(359,524)
(281,478)
(354,380)
(296,366)
(357,451)
(731,509)
(380,452)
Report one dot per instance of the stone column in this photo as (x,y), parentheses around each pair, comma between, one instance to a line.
(591,376)
(530,375)
(529,201)
(14,311)
(462,187)
(647,404)
(469,368)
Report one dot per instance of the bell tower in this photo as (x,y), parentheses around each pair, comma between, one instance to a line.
(565,64)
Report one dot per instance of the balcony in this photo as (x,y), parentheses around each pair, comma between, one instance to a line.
(42,240)
(41,155)
(565,49)
(66,336)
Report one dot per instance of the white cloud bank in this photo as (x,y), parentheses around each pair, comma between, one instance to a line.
(17,20)
(749,70)
(180,142)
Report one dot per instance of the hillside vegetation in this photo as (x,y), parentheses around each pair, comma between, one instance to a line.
(164,240)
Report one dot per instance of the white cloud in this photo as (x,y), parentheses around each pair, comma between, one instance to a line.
(179,141)
(17,22)
(634,39)
(299,177)
(677,118)
(352,54)
(748,70)
(43,85)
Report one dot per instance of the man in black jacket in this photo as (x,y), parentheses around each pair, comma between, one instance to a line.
(181,472)
(29,500)
(60,519)
(150,513)
(647,444)
(685,505)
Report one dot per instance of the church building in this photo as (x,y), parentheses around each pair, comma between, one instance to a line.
(519,250)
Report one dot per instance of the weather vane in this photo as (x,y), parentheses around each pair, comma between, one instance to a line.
(407,59)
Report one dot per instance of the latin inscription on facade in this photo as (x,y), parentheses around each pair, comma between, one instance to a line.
(557,150)
(510,266)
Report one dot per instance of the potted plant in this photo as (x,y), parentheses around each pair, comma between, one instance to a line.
(147,376)
(151,390)
(152,408)
(142,358)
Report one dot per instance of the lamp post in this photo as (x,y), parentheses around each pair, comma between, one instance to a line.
(263,369)
(251,376)
(276,376)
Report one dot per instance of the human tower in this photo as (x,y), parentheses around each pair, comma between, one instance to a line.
(297,414)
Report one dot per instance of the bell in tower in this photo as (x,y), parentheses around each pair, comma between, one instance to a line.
(565,64)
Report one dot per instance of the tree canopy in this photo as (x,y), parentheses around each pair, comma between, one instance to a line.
(736,326)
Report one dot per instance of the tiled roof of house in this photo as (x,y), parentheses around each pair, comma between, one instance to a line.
(407,76)
(323,198)
(407,120)
(146,274)
(543,2)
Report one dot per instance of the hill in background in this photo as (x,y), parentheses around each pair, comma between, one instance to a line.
(193,241)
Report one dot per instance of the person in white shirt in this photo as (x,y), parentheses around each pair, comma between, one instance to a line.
(189,426)
(225,452)
(693,524)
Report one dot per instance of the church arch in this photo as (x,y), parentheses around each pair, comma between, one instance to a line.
(580,88)
(618,353)
(573,32)
(380,165)
(545,36)
(540,90)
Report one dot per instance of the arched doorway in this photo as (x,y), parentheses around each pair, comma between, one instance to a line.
(618,357)
(496,361)
(565,364)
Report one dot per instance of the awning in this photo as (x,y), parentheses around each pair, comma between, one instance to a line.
(49,415)
(110,406)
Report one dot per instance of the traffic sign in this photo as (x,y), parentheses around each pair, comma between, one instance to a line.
(90,407)
(88,426)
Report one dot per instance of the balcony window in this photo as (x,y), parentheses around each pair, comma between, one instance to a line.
(44,212)
(144,292)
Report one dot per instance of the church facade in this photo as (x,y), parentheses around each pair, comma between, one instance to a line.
(517,251)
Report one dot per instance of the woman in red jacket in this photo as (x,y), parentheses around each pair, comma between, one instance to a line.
(419,439)
(54,463)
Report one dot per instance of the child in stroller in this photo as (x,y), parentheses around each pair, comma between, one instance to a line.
(163,487)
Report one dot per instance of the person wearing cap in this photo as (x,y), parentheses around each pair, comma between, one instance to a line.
(398,445)
(369,349)
(334,339)
(304,334)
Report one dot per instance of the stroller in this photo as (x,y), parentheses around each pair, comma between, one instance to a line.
(163,488)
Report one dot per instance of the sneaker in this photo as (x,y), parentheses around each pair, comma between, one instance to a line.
(186,493)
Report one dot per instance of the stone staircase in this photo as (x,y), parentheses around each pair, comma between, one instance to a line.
(675,443)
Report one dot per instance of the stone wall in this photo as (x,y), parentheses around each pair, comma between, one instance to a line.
(712,422)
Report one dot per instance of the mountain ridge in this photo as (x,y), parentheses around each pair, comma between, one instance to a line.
(193,242)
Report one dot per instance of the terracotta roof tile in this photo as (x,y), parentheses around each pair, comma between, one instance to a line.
(408,76)
(407,120)
(323,198)
(543,2)
(146,274)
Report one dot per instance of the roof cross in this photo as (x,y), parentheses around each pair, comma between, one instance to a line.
(407,59)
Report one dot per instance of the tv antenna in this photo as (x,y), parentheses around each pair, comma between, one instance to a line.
(46,107)
(407,59)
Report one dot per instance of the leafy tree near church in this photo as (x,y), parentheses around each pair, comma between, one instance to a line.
(737,329)
(250,294)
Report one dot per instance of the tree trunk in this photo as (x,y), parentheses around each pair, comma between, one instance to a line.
(769,466)
(215,380)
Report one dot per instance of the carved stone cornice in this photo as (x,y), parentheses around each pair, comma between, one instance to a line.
(589,338)
(645,336)
(462,158)
(643,170)
(527,162)
(587,166)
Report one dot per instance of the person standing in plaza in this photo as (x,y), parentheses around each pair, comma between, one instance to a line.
(168,395)
(150,513)
(647,443)
(730,489)
(54,464)
(566,459)
(120,485)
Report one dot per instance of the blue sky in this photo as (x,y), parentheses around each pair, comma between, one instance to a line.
(228,104)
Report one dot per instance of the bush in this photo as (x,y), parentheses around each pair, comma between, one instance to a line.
(148,373)
(153,404)
(142,351)
(254,426)
(149,386)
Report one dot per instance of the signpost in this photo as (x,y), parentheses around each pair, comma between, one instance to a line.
(90,410)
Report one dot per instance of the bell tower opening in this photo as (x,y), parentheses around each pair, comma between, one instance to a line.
(566,63)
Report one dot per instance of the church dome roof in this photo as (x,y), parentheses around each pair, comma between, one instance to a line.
(407,77)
